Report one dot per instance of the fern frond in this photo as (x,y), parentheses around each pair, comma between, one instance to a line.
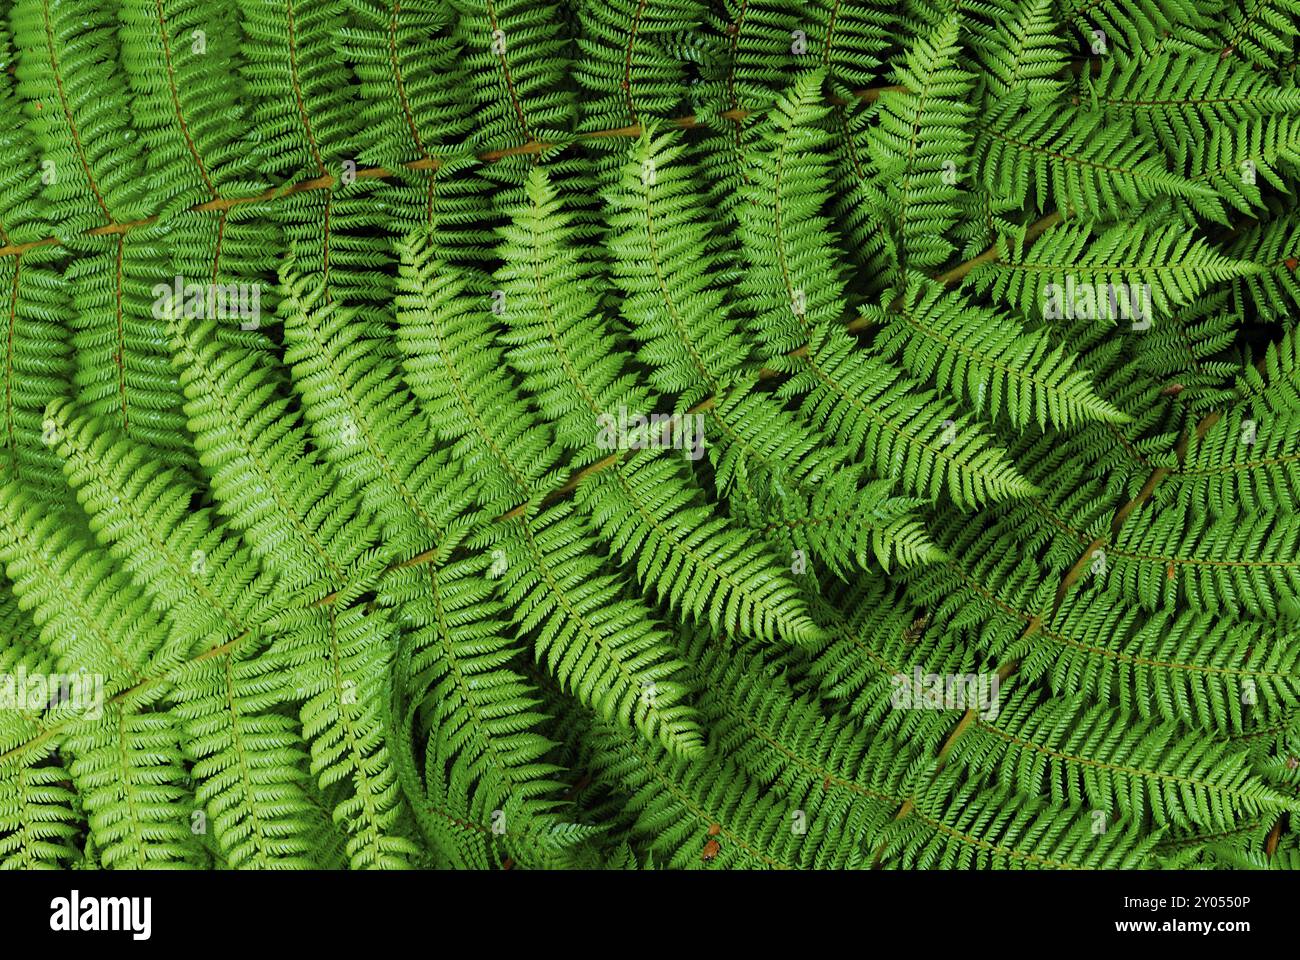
(874,410)
(919,147)
(1136,270)
(982,357)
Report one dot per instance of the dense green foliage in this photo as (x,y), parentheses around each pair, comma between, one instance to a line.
(614,414)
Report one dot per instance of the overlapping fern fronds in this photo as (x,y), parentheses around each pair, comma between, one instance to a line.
(680,433)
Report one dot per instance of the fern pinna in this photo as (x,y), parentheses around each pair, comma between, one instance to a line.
(678,433)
